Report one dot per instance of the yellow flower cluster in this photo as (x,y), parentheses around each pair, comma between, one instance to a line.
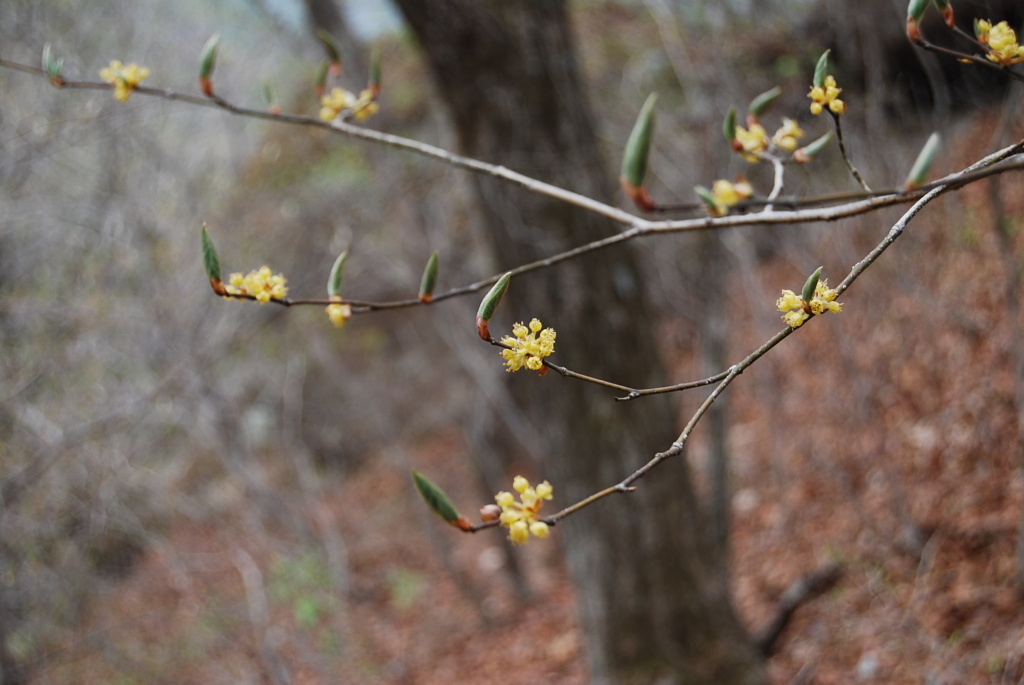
(1001,41)
(339,100)
(826,95)
(261,283)
(796,311)
(752,141)
(124,77)
(725,194)
(521,517)
(529,347)
(337,312)
(788,135)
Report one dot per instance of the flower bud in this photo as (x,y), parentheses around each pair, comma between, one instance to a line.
(490,513)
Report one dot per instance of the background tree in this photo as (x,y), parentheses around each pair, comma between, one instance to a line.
(652,599)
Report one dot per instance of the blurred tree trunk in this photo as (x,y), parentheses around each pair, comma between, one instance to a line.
(652,605)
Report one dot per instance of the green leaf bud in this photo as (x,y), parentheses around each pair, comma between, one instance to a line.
(706,197)
(916,10)
(429,280)
(373,85)
(208,57)
(813,149)
(807,294)
(493,297)
(760,104)
(330,44)
(821,69)
(923,163)
(320,79)
(638,147)
(52,67)
(729,125)
(210,261)
(435,498)
(334,280)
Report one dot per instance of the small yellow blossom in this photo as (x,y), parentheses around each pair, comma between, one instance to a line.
(796,311)
(1001,41)
(529,347)
(124,77)
(788,135)
(752,141)
(725,194)
(826,95)
(338,313)
(521,517)
(339,100)
(261,283)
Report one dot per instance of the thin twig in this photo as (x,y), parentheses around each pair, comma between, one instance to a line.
(846,157)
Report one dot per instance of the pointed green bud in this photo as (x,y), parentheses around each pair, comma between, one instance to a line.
(429,280)
(821,69)
(947,12)
(706,197)
(331,46)
(923,163)
(807,294)
(729,125)
(438,501)
(489,304)
(373,85)
(334,280)
(977,28)
(207,62)
(638,147)
(812,149)
(916,10)
(208,57)
(210,261)
(760,104)
(320,79)
(212,265)
(52,67)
